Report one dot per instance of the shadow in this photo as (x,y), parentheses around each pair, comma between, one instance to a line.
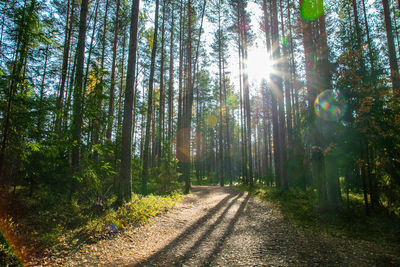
(207,234)
(192,228)
(218,247)
(285,241)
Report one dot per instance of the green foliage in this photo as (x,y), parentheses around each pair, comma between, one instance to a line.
(138,211)
(7,255)
(302,208)
(141,208)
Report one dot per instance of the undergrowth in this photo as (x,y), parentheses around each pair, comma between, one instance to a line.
(61,228)
(348,219)
(133,213)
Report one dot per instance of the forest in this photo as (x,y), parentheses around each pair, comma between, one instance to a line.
(111,110)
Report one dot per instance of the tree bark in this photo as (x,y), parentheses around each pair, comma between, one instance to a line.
(112,87)
(78,94)
(394,69)
(126,151)
(67,41)
(145,171)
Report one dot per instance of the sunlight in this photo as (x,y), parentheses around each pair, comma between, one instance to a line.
(259,65)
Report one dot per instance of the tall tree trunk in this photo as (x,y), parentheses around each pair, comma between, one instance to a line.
(277,83)
(67,41)
(126,151)
(161,110)
(243,159)
(78,94)
(112,86)
(180,80)
(288,89)
(3,24)
(171,78)
(228,138)
(188,99)
(243,22)
(368,36)
(119,116)
(41,116)
(97,133)
(145,171)
(221,104)
(394,69)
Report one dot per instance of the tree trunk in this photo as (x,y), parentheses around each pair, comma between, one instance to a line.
(160,133)
(171,79)
(41,116)
(78,94)
(188,100)
(67,41)
(112,86)
(126,151)
(394,69)
(145,171)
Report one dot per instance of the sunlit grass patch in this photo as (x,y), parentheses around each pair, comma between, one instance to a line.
(135,212)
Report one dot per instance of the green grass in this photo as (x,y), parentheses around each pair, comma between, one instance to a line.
(64,226)
(133,213)
(301,207)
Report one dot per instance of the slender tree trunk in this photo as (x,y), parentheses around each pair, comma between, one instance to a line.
(41,116)
(126,152)
(67,41)
(287,84)
(91,43)
(228,138)
(78,94)
(145,171)
(97,123)
(188,99)
(246,96)
(243,159)
(180,81)
(277,83)
(395,27)
(221,104)
(161,111)
(2,24)
(394,69)
(171,78)
(372,61)
(119,117)
(112,86)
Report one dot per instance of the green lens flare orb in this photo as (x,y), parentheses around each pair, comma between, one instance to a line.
(285,42)
(330,105)
(311,9)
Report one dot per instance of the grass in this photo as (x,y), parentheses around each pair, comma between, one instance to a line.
(64,226)
(301,207)
(133,213)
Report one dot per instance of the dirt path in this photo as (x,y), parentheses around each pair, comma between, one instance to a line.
(223,227)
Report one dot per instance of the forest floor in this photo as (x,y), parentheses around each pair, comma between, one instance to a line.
(217,226)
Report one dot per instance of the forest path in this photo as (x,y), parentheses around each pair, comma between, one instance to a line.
(217,226)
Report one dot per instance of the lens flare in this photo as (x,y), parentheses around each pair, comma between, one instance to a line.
(285,42)
(330,105)
(311,9)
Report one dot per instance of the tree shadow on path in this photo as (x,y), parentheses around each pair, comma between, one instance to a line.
(166,253)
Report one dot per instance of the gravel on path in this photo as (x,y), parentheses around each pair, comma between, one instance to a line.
(217,226)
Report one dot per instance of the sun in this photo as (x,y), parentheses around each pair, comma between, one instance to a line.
(259,65)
